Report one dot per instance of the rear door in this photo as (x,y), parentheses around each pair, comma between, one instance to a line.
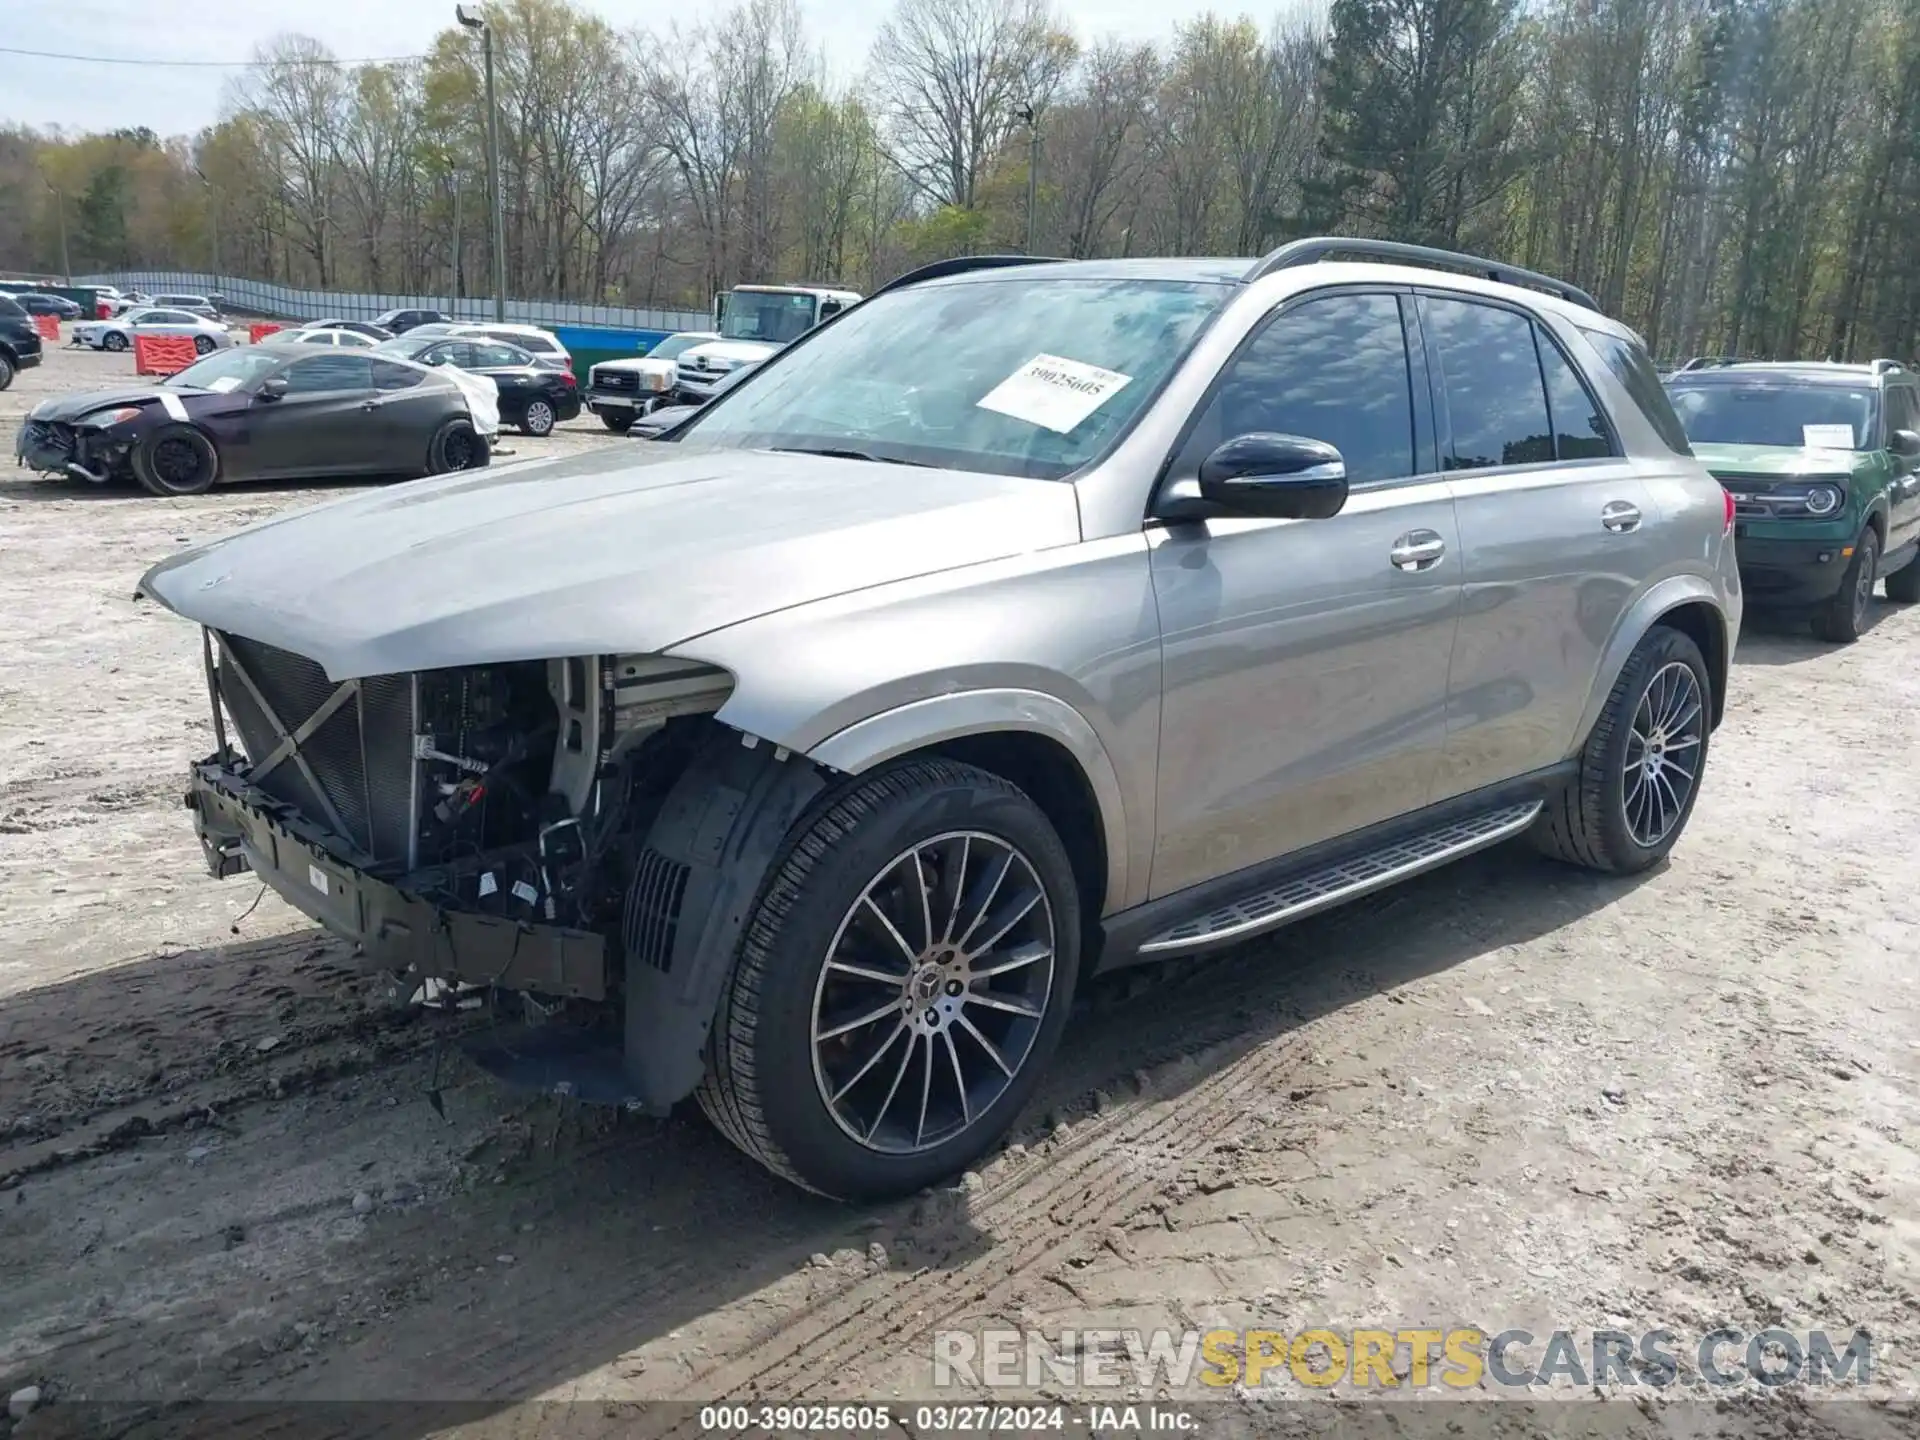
(408,406)
(513,374)
(1557,534)
(324,424)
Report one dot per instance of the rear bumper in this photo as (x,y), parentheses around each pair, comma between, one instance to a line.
(241,828)
(1791,572)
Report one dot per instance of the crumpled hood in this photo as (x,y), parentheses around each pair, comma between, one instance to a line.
(72,407)
(632,551)
(1787,462)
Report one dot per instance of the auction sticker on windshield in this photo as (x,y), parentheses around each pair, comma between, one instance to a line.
(1053,392)
(1827,437)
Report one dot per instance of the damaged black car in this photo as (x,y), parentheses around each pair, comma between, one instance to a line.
(258,413)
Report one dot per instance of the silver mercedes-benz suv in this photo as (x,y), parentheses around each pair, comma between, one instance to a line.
(1026,620)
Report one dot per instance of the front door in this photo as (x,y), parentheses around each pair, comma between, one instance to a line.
(1903,495)
(323,425)
(1305,661)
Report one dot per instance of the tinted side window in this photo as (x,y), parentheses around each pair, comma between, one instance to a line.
(1579,429)
(538,344)
(389,376)
(1496,400)
(330,372)
(498,356)
(1635,372)
(453,352)
(1333,369)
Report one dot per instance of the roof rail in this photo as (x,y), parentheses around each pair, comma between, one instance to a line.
(1710,362)
(1318,248)
(960,265)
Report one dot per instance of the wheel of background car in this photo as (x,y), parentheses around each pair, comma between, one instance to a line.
(619,424)
(538,419)
(202,344)
(1842,619)
(456,445)
(1903,585)
(176,460)
(6,372)
(903,980)
(1641,767)
(114,340)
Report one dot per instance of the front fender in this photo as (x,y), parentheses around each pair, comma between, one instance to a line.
(922,723)
(1668,594)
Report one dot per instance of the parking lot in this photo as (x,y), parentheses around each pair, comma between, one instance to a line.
(1509,1095)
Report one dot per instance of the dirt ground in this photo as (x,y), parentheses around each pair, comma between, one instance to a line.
(1508,1096)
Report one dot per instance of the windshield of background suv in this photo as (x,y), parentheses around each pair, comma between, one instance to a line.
(1011,377)
(224,370)
(775,319)
(1772,412)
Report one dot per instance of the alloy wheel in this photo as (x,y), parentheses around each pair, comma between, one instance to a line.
(1663,753)
(539,417)
(932,992)
(1863,583)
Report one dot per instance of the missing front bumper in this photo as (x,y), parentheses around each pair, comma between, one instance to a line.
(241,829)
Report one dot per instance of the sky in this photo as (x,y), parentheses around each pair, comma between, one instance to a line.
(179,101)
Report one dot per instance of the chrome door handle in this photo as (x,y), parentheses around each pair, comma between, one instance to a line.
(1620,517)
(1417,550)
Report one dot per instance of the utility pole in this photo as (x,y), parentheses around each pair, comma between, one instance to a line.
(455,293)
(473,20)
(1028,114)
(213,216)
(60,209)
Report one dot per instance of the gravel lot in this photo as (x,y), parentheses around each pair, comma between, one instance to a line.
(1508,1096)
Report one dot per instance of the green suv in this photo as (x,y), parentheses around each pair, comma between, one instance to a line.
(1823,463)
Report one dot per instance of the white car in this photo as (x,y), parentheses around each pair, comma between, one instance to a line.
(545,347)
(118,333)
(621,391)
(348,339)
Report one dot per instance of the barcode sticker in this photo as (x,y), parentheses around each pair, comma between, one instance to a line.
(488,885)
(524,891)
(317,878)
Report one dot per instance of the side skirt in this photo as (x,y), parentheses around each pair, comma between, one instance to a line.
(1262,898)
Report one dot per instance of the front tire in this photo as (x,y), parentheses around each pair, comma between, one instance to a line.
(900,986)
(6,371)
(203,344)
(1641,767)
(1843,619)
(539,419)
(113,340)
(176,460)
(619,424)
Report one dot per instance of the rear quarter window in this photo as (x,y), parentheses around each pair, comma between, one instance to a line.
(1628,361)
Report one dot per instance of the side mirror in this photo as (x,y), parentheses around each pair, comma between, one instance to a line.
(1905,444)
(274,387)
(1286,477)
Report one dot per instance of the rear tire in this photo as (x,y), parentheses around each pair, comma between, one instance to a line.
(176,460)
(619,424)
(113,340)
(203,344)
(1903,585)
(843,968)
(1652,731)
(1842,619)
(456,445)
(539,419)
(6,371)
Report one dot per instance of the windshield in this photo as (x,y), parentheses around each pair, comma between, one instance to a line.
(1012,377)
(225,370)
(774,319)
(1793,416)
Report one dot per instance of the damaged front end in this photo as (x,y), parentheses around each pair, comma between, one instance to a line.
(486,826)
(91,449)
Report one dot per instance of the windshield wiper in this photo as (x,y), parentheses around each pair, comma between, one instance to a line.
(833,453)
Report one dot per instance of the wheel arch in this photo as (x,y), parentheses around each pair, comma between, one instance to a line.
(1686,603)
(1036,741)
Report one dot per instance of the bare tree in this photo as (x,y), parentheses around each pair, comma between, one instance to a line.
(297,95)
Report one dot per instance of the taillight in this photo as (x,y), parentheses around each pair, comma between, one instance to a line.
(1726,527)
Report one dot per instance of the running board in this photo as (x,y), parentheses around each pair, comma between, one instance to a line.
(1344,880)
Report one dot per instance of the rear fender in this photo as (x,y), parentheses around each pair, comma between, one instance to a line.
(1641,616)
